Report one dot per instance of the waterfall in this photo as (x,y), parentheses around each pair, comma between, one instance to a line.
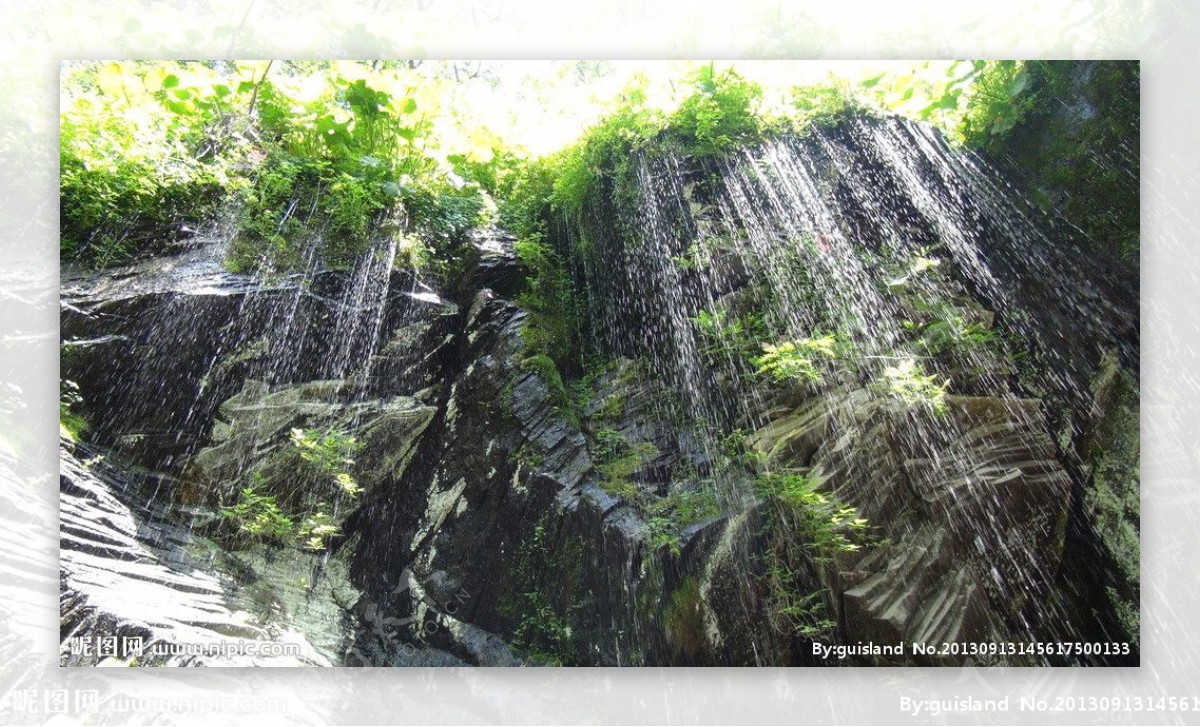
(945,341)
(876,232)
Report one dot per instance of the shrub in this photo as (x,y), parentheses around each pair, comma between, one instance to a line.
(618,460)
(1000,98)
(259,516)
(126,186)
(722,113)
(806,526)
(729,337)
(823,105)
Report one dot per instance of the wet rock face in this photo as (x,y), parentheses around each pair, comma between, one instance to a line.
(252,439)
(971,508)
(494,517)
(158,346)
(130,573)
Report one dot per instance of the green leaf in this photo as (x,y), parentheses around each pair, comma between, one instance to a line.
(170,81)
(410,105)
(873,81)
(1019,83)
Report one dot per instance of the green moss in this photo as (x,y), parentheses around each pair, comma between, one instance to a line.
(617,468)
(1111,450)
(550,328)
(544,368)
(613,407)
(71,424)
(684,620)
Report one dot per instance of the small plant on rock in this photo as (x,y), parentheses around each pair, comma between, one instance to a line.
(259,516)
(908,382)
(826,523)
(796,360)
(329,454)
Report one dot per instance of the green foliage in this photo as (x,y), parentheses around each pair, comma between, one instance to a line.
(824,105)
(693,259)
(945,93)
(607,443)
(617,460)
(352,172)
(721,114)
(605,150)
(951,333)
(792,610)
(1077,141)
(314,529)
(613,407)
(543,632)
(827,525)
(796,360)
(671,514)
(527,209)
(1000,98)
(918,268)
(688,507)
(259,516)
(327,153)
(664,533)
(551,326)
(735,338)
(543,366)
(138,155)
(908,382)
(324,456)
(71,424)
(807,526)
(735,449)
(329,454)
(1027,115)
(543,635)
